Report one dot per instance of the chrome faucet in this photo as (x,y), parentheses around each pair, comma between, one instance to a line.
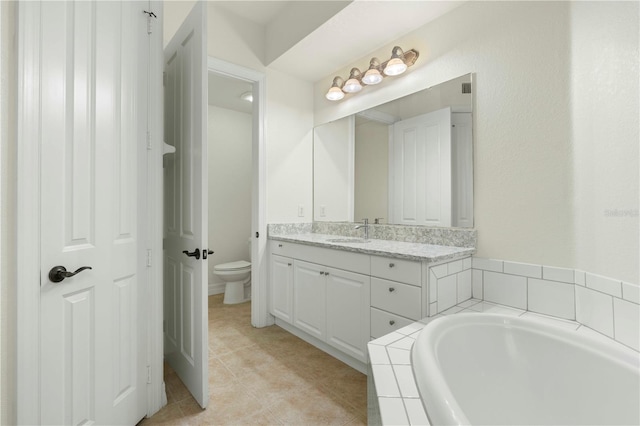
(366,228)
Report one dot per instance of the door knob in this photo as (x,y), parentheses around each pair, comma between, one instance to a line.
(195,253)
(205,253)
(59,273)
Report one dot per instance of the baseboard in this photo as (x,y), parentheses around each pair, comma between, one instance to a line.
(216,288)
(347,359)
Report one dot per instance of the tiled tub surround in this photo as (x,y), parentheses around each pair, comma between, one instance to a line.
(602,307)
(393,395)
(608,306)
(454,237)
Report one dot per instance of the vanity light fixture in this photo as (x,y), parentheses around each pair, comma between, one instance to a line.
(353,84)
(335,93)
(396,65)
(372,75)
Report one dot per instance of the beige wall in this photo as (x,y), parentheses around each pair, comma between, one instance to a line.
(372,171)
(544,124)
(605,132)
(230,174)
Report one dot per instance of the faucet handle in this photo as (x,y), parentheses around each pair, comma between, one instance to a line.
(377,220)
(366,220)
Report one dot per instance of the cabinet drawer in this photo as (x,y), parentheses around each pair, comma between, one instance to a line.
(339,259)
(405,271)
(397,298)
(383,322)
(282,248)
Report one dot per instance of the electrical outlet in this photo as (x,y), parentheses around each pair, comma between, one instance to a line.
(300,210)
(323,211)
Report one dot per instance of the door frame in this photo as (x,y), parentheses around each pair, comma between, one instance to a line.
(259,296)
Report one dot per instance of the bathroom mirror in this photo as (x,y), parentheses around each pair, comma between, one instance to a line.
(408,161)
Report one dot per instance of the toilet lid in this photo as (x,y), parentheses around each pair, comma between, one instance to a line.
(232,266)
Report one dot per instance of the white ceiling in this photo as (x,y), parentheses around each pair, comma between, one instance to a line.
(259,12)
(358,29)
(361,27)
(225,92)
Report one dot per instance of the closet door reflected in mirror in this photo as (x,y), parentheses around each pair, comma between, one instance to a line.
(409,161)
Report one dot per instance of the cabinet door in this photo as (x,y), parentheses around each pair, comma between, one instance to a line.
(348,321)
(282,287)
(309,298)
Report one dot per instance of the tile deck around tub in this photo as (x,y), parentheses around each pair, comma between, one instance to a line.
(397,393)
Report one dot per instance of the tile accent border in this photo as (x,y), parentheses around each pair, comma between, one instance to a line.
(606,305)
(454,237)
(288,228)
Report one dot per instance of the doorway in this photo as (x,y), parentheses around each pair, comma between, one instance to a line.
(258,234)
(229,137)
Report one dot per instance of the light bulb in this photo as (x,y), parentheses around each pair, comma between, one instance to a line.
(395,66)
(352,86)
(335,94)
(372,76)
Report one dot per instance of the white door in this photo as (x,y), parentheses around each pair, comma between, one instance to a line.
(309,298)
(92,74)
(348,312)
(421,167)
(282,287)
(185,278)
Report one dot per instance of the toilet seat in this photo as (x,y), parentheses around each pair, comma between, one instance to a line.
(232,266)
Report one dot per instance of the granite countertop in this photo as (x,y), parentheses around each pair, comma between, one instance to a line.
(398,249)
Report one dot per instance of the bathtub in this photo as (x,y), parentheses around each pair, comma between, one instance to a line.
(503,370)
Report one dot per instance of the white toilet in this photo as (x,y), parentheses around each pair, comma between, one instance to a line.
(235,275)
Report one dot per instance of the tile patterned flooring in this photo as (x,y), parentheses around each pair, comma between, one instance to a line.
(265,376)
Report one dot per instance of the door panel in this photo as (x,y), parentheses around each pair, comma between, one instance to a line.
(421,166)
(282,287)
(348,308)
(93,121)
(309,298)
(186,289)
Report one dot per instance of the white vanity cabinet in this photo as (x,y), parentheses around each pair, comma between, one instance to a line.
(348,312)
(396,294)
(282,287)
(332,305)
(309,298)
(338,300)
(324,293)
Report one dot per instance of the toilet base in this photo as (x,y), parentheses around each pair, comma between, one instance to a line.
(234,292)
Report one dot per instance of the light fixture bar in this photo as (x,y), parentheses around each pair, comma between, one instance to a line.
(396,65)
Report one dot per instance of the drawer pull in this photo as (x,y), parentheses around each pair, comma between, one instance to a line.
(326,273)
(392,322)
(279,245)
(288,264)
(391,289)
(321,273)
(391,265)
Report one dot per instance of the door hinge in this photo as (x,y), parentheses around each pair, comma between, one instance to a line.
(148,374)
(148,257)
(148,140)
(149,23)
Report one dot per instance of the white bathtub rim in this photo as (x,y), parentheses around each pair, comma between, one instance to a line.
(444,408)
